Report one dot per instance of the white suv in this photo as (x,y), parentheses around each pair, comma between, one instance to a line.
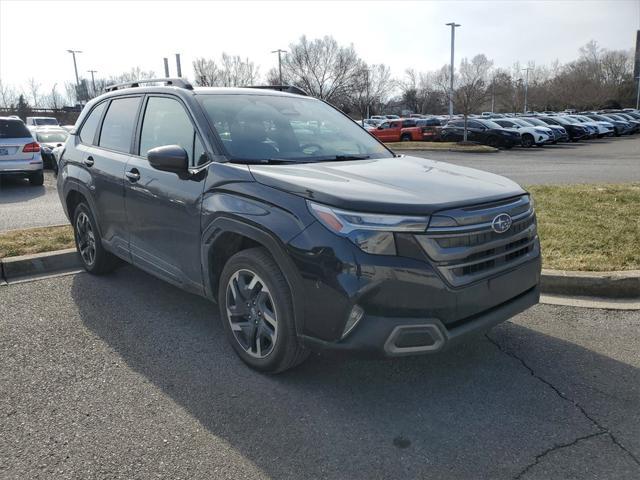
(531,135)
(19,153)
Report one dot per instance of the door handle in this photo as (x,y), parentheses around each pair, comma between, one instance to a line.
(133,175)
(88,161)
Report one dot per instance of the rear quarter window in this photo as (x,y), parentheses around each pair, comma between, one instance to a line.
(13,129)
(88,131)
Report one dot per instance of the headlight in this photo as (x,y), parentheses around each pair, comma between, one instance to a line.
(372,232)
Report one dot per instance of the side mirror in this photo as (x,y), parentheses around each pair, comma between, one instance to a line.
(169,158)
(380,127)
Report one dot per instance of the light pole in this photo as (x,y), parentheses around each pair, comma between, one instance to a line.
(279,52)
(93,80)
(526,87)
(453,26)
(638,95)
(75,66)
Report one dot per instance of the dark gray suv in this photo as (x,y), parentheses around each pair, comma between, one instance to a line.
(307,231)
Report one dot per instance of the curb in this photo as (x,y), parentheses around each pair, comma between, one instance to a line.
(625,284)
(453,149)
(17,268)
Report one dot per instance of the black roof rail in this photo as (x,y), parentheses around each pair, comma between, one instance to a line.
(175,82)
(282,88)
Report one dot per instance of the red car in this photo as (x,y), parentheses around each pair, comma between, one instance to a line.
(404,130)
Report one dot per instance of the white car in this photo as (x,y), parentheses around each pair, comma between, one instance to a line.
(42,122)
(19,152)
(50,138)
(531,135)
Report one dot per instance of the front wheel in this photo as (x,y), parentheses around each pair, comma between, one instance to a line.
(527,141)
(95,259)
(257,312)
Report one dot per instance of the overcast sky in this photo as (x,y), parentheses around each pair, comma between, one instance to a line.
(117,35)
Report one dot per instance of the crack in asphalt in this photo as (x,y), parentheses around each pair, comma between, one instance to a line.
(540,456)
(602,430)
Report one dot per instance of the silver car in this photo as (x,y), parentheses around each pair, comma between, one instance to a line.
(19,152)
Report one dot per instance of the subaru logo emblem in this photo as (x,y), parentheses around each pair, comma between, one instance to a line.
(501,223)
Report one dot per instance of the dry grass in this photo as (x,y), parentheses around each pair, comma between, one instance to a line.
(589,227)
(35,240)
(438,146)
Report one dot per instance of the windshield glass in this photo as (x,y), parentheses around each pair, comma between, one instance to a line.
(520,122)
(533,121)
(51,137)
(562,120)
(490,124)
(46,121)
(263,127)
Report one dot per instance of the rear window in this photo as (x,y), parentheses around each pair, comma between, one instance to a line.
(13,129)
(118,124)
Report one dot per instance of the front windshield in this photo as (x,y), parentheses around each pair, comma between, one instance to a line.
(46,121)
(52,137)
(563,120)
(491,124)
(263,127)
(533,121)
(521,122)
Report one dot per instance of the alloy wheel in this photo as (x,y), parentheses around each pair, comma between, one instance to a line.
(85,239)
(251,313)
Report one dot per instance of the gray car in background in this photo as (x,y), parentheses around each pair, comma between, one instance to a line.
(19,152)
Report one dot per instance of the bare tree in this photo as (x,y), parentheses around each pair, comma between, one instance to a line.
(8,96)
(54,100)
(230,71)
(323,68)
(470,90)
(34,91)
(371,88)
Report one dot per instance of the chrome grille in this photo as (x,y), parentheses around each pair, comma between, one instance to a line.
(464,247)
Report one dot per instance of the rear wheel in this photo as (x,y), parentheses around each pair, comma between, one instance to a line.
(37,179)
(405,137)
(95,259)
(257,312)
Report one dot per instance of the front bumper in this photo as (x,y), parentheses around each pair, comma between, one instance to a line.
(402,336)
(397,293)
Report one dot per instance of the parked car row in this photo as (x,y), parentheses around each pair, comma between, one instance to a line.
(27,148)
(507,130)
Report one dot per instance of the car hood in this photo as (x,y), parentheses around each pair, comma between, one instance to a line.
(402,185)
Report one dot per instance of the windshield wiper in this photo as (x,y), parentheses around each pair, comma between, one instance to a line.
(266,161)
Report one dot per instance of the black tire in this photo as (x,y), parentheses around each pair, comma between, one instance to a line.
(405,137)
(285,351)
(36,179)
(527,140)
(493,142)
(101,261)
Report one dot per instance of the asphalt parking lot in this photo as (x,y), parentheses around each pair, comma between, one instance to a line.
(607,160)
(24,206)
(124,376)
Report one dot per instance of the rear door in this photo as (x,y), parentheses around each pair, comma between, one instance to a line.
(105,159)
(163,208)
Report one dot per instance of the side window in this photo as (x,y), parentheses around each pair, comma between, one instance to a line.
(472,124)
(408,123)
(167,123)
(119,123)
(88,132)
(395,125)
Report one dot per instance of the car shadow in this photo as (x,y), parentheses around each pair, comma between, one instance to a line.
(17,189)
(435,416)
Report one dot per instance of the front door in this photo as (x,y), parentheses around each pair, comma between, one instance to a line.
(163,208)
